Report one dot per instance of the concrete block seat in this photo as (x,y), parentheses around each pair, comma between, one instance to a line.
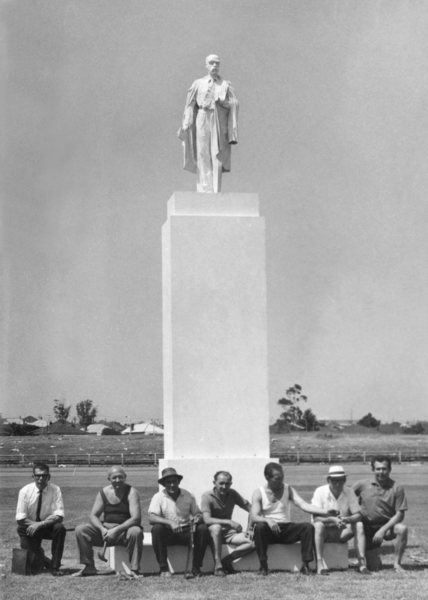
(280,557)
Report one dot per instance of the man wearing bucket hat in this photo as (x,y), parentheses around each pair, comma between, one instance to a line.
(338,529)
(172,512)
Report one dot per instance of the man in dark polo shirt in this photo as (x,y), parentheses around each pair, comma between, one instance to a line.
(383,506)
(217,507)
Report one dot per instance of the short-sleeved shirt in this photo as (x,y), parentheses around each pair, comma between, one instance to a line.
(219,509)
(347,503)
(179,510)
(380,504)
(28,499)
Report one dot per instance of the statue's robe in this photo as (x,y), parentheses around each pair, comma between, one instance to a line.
(226,126)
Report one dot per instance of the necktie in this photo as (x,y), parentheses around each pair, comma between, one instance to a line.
(39,506)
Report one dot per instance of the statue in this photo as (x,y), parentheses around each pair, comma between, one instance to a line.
(209,128)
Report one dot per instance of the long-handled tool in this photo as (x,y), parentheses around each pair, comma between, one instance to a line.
(101,555)
(191,548)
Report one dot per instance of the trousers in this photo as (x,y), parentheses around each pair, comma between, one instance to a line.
(290,533)
(88,536)
(209,167)
(56,533)
(163,536)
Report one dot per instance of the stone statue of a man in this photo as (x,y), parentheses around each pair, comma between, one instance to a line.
(210,127)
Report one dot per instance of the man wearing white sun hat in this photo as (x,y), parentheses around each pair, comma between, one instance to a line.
(343,527)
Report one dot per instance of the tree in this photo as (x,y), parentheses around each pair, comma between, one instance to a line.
(309,420)
(61,411)
(368,421)
(292,413)
(86,412)
(415,429)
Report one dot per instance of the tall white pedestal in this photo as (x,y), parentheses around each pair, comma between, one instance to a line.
(214,340)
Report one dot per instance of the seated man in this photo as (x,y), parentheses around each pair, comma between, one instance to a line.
(217,508)
(39,514)
(383,506)
(172,512)
(271,514)
(115,520)
(343,527)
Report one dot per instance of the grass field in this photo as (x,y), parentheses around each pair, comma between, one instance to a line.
(113,445)
(79,488)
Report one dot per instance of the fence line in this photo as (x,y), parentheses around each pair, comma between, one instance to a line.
(152,458)
(86,459)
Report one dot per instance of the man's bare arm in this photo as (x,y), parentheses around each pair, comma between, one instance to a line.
(309,508)
(96,512)
(256,513)
(380,533)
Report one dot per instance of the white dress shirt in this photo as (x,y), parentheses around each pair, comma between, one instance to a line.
(28,499)
(347,503)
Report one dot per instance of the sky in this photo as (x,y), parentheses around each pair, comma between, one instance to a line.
(332,136)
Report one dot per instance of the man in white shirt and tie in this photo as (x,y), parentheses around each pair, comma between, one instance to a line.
(39,514)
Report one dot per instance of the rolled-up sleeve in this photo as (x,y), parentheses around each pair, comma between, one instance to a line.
(21,508)
(155,506)
(58,504)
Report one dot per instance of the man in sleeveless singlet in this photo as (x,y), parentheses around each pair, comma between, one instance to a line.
(270,514)
(115,520)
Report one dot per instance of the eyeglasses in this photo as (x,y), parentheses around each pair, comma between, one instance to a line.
(40,475)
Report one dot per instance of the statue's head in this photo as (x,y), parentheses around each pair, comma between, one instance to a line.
(212,63)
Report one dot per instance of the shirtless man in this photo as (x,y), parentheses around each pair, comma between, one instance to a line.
(120,525)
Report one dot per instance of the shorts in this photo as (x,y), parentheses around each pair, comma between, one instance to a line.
(369,531)
(227,535)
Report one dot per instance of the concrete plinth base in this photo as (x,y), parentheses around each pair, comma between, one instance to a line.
(280,557)
(214,328)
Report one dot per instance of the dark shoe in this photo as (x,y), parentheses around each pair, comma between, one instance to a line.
(219,573)
(228,567)
(263,570)
(323,572)
(363,570)
(304,570)
(57,573)
(196,572)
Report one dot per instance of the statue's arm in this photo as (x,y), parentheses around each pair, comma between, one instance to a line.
(190,106)
(232,124)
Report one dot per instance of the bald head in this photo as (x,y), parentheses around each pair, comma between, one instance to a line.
(115,471)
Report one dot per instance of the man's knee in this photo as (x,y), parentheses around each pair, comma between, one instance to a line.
(319,527)
(202,531)
(401,530)
(59,529)
(80,530)
(215,530)
(307,528)
(135,532)
(159,530)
